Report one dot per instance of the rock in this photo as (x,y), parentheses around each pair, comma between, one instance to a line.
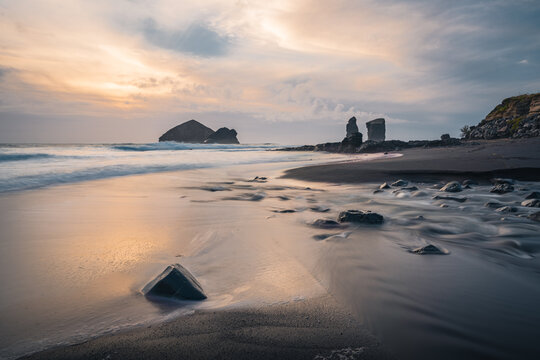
(533,195)
(443,205)
(384,186)
(507,209)
(493,204)
(429,250)
(248,197)
(175,282)
(445,137)
(376,129)
(259,179)
(284,211)
(502,189)
(452,186)
(350,144)
(469,182)
(352,128)
(360,216)
(419,218)
(319,209)
(378,191)
(531,203)
(400,183)
(191,131)
(222,136)
(497,181)
(409,188)
(325,223)
(535,216)
(453,198)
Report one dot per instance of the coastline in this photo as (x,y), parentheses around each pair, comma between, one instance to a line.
(478,160)
(305,329)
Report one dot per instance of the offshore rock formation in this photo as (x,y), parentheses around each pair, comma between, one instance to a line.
(515,117)
(223,136)
(376,129)
(352,128)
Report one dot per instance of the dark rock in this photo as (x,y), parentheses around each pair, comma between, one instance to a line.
(350,144)
(222,136)
(535,216)
(175,282)
(419,218)
(352,128)
(214,188)
(453,198)
(376,129)
(507,209)
(285,211)
(445,137)
(502,189)
(429,250)
(248,197)
(319,209)
(325,223)
(259,179)
(533,195)
(469,182)
(452,186)
(531,203)
(360,216)
(493,204)
(378,191)
(409,188)
(384,186)
(497,181)
(191,131)
(400,183)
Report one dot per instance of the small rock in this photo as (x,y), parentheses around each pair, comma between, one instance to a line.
(400,183)
(533,195)
(419,218)
(531,203)
(453,198)
(325,223)
(259,179)
(507,209)
(535,216)
(175,282)
(469,182)
(409,188)
(493,204)
(384,186)
(378,191)
(319,209)
(452,186)
(429,250)
(360,216)
(284,211)
(443,205)
(502,188)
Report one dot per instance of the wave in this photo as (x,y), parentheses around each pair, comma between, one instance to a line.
(171,145)
(19,157)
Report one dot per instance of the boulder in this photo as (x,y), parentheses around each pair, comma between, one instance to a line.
(531,203)
(191,131)
(493,204)
(360,216)
(222,136)
(452,186)
(376,129)
(502,188)
(533,195)
(429,250)
(400,183)
(352,128)
(384,186)
(453,198)
(175,282)
(507,209)
(325,223)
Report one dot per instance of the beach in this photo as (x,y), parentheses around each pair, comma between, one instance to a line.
(76,256)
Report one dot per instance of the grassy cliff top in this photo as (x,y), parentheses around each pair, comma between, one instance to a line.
(520,105)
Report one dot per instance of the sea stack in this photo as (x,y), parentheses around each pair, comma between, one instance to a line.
(191,131)
(353,138)
(376,129)
(223,136)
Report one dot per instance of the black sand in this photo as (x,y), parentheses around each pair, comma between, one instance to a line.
(297,330)
(478,160)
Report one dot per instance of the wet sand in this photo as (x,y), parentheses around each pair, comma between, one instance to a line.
(478,160)
(316,328)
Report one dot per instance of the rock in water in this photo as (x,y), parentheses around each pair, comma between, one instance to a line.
(535,216)
(223,136)
(360,216)
(325,223)
(453,198)
(533,195)
(400,183)
(452,186)
(352,128)
(191,131)
(507,209)
(384,186)
(175,282)
(502,188)
(376,130)
(531,203)
(429,250)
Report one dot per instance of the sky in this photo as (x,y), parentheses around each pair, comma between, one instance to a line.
(290,72)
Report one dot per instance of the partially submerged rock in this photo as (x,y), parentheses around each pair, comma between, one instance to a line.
(384,186)
(429,250)
(502,188)
(175,282)
(191,131)
(533,195)
(507,209)
(535,216)
(400,183)
(502,181)
(453,198)
(469,182)
(360,216)
(259,179)
(452,186)
(493,204)
(325,223)
(319,209)
(531,203)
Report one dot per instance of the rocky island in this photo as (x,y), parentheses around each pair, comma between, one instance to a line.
(193,131)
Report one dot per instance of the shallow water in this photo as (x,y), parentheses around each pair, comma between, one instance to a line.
(74,257)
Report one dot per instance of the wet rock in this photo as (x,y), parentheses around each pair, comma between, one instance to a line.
(247,197)
(214,188)
(443,205)
(283,197)
(284,211)
(469,182)
(533,195)
(191,131)
(175,282)
(502,188)
(360,216)
(419,218)
(378,191)
(429,250)
(493,204)
(452,186)
(259,179)
(400,183)
(531,203)
(507,209)
(384,186)
(321,209)
(453,198)
(535,216)
(409,188)
(325,223)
